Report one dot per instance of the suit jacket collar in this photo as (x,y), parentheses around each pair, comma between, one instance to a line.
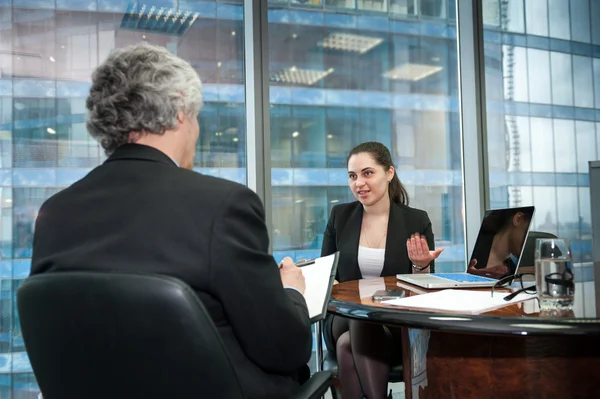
(395,243)
(140,152)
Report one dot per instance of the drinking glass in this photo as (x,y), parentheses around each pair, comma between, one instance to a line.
(554,274)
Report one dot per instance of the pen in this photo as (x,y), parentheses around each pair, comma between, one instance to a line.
(300,263)
(304,262)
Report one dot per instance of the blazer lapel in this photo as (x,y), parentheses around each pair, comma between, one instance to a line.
(396,256)
(348,245)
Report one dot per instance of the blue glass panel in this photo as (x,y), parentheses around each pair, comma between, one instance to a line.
(581,49)
(89,5)
(66,177)
(406,27)
(230,11)
(34,88)
(112,5)
(36,3)
(370,22)
(65,89)
(20,363)
(5,269)
(5,177)
(204,9)
(563,112)
(539,42)
(21,268)
(6,87)
(306,17)
(560,45)
(339,20)
(34,177)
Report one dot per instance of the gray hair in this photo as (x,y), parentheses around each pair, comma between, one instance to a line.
(140,88)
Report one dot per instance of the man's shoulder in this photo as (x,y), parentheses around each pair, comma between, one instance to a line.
(206,183)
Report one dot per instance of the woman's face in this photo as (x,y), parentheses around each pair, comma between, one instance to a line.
(368,180)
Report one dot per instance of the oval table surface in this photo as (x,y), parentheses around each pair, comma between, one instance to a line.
(353,299)
(513,352)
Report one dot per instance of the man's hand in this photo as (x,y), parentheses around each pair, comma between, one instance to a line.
(291,276)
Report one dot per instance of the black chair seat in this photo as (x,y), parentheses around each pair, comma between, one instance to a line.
(123,336)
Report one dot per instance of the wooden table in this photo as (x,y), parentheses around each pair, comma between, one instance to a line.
(513,352)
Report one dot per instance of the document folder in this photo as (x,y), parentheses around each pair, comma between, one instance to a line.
(319,277)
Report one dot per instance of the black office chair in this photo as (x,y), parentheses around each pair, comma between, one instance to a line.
(122,336)
(528,255)
(330,364)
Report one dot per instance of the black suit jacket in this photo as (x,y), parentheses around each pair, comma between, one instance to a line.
(343,234)
(140,213)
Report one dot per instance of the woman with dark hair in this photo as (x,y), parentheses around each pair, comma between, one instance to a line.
(378,235)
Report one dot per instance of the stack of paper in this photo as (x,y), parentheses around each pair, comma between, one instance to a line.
(459,301)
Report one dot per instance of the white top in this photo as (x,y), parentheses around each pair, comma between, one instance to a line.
(370,261)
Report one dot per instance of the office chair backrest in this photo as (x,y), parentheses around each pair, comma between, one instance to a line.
(121,336)
(528,255)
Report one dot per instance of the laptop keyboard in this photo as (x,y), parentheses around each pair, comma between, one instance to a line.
(463,277)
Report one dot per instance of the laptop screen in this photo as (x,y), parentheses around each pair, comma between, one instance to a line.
(500,242)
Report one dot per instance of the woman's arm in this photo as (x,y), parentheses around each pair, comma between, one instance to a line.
(421,250)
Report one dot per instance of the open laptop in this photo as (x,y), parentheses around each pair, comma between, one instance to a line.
(503,232)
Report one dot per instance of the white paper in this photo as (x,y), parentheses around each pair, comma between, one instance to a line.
(317,277)
(368,286)
(461,301)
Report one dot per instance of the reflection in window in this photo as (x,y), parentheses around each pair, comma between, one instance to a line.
(47,54)
(520,144)
(372,5)
(513,15)
(515,71)
(335,87)
(585,213)
(403,7)
(565,154)
(597,81)
(536,15)
(595,16)
(583,81)
(433,8)
(558,13)
(539,76)
(562,83)
(568,212)
(542,159)
(6,322)
(586,145)
(580,20)
(544,199)
(341,3)
(491,12)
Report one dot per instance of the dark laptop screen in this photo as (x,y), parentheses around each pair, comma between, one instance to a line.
(500,242)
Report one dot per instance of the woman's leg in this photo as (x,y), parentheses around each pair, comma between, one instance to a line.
(347,372)
(371,349)
(348,375)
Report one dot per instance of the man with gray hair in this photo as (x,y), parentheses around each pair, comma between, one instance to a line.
(145,211)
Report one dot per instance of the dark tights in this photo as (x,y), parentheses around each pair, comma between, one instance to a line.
(364,354)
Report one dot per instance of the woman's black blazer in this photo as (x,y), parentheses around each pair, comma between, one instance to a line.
(343,234)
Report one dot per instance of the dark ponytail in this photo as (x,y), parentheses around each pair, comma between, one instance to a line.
(382,156)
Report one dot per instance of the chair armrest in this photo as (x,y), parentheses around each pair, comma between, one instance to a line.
(315,387)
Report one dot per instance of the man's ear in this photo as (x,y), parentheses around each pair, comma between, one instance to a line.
(180,117)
